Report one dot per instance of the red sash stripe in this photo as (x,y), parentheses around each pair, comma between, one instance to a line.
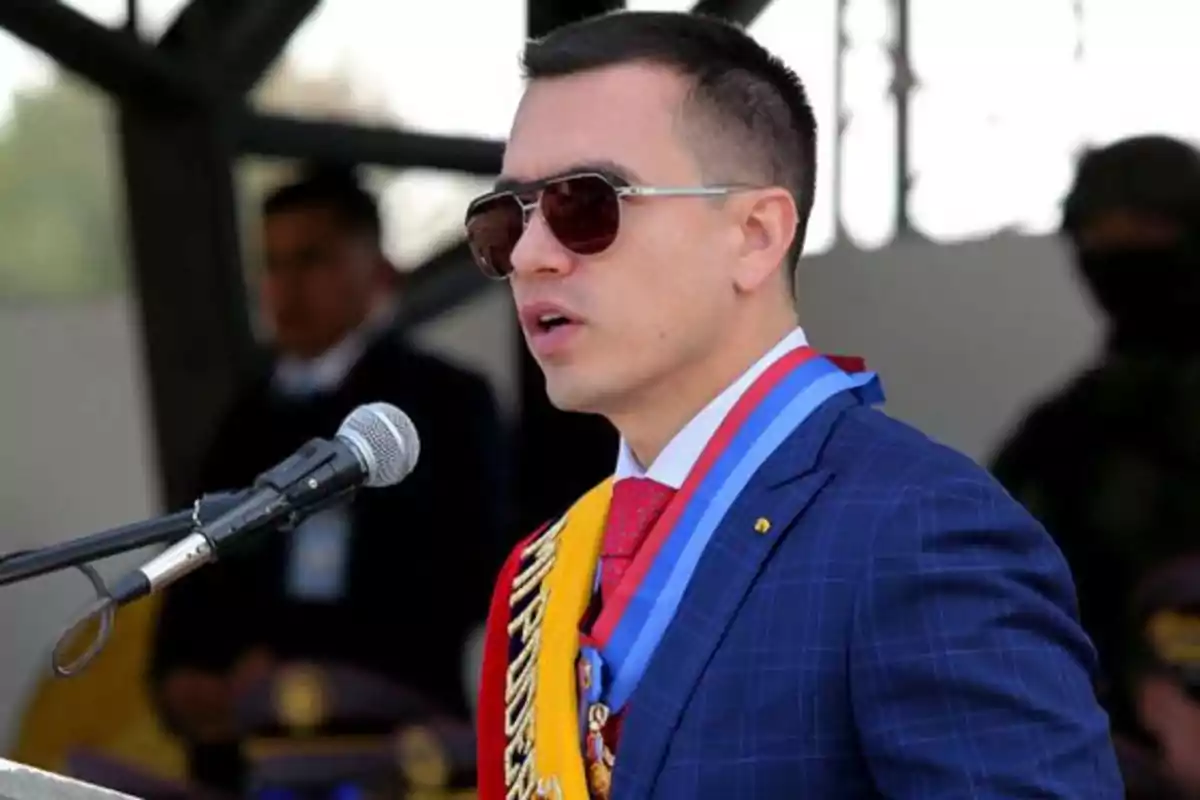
(490,740)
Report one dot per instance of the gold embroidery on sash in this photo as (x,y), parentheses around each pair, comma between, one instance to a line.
(524,632)
(542,551)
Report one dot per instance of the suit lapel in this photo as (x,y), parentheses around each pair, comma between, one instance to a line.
(779,493)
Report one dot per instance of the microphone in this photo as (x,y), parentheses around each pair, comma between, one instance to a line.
(377,445)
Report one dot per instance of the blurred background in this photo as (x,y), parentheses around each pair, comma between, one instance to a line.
(140,139)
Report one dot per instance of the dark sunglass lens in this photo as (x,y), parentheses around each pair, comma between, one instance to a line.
(583,212)
(493,229)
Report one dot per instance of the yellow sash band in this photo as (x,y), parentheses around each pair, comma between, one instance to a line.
(557,736)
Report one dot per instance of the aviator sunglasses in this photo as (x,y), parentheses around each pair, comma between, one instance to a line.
(582,211)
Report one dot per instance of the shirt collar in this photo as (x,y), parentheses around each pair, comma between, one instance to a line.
(298,377)
(681,453)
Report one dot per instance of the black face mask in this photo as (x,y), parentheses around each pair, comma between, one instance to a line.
(1151,295)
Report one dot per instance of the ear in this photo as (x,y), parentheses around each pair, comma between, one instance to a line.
(767,223)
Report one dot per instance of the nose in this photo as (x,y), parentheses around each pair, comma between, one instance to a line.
(538,252)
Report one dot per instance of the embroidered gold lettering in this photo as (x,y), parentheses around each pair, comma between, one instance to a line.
(521,733)
(541,552)
(521,671)
(529,581)
(526,622)
(523,783)
(520,689)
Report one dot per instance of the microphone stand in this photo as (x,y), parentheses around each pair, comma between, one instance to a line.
(77,552)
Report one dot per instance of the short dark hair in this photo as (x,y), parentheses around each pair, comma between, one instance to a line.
(332,188)
(745,94)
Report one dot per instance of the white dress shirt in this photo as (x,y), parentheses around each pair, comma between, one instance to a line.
(681,453)
(299,377)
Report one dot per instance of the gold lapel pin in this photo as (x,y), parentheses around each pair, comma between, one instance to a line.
(762,525)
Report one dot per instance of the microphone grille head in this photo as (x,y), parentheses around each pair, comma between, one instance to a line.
(385,440)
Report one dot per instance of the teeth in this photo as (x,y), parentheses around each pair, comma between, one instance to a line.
(546,319)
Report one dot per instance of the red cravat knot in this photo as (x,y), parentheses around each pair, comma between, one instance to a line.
(637,503)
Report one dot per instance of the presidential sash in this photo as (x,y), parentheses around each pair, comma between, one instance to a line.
(530,721)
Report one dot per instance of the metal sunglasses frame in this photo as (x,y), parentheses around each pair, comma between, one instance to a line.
(620,189)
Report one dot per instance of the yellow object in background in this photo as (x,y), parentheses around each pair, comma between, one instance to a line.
(105,709)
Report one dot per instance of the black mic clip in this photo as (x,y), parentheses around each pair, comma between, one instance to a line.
(290,491)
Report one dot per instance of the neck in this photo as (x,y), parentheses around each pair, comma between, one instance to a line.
(661,412)
(376,320)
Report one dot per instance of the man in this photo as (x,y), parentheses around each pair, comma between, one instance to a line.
(783,593)
(361,585)
(1109,464)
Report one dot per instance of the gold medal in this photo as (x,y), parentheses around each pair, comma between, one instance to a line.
(600,758)
(598,714)
(600,781)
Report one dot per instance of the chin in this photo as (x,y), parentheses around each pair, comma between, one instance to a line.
(564,399)
(568,392)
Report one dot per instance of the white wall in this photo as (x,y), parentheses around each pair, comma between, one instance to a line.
(74,459)
(964,337)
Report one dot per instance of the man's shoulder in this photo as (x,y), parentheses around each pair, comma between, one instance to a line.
(894,495)
(418,366)
(544,538)
(902,478)
(443,397)
(871,446)
(1075,409)
(520,554)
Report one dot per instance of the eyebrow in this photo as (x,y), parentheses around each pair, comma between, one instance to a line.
(612,169)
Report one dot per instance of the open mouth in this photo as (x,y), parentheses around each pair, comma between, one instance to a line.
(549,328)
(549,322)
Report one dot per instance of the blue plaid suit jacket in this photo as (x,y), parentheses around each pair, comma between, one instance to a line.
(904,629)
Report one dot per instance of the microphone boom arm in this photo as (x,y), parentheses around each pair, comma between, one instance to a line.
(318,475)
(72,553)
(376,445)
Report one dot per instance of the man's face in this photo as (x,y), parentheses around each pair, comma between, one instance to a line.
(319,279)
(1120,229)
(653,304)
(1144,274)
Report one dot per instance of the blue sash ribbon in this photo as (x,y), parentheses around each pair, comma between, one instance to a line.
(616,662)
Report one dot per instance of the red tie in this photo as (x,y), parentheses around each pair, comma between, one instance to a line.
(636,505)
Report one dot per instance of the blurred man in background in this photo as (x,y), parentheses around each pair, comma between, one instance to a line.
(1111,463)
(369,585)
